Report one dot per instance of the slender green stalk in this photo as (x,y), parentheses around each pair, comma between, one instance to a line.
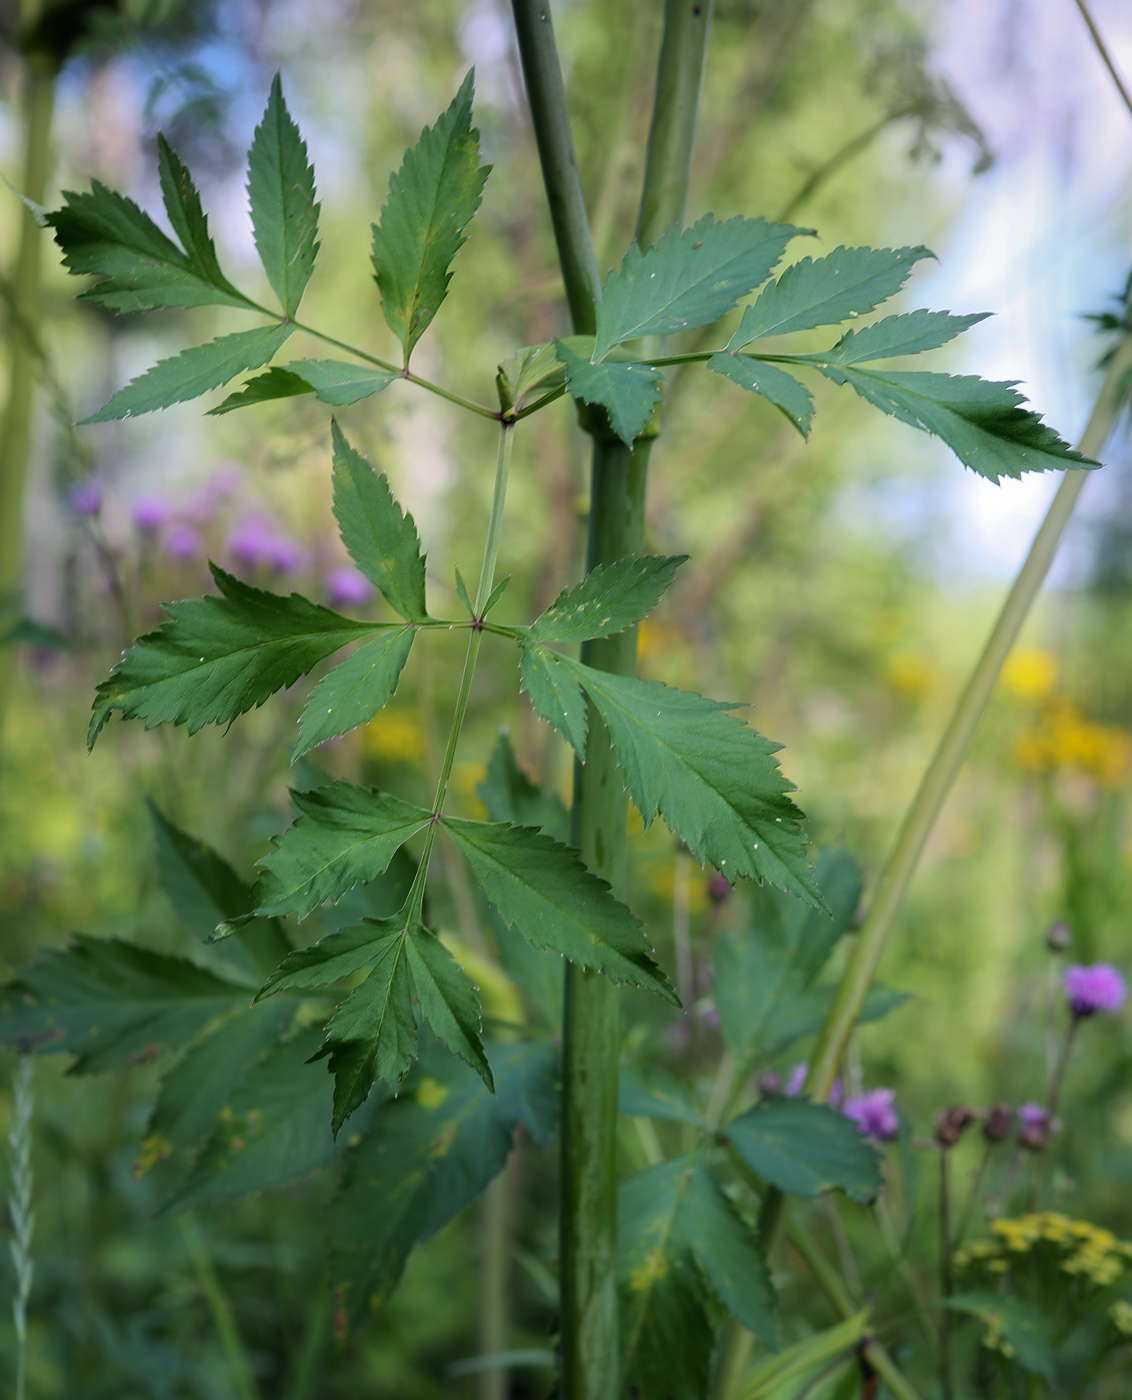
(220,1308)
(493,1381)
(941,773)
(945,1279)
(15,432)
(19,1206)
(1106,57)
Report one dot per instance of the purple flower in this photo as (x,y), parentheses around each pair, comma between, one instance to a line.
(86,499)
(283,553)
(1096,988)
(255,543)
(182,542)
(1036,1126)
(346,587)
(150,513)
(718,889)
(875,1114)
(796,1082)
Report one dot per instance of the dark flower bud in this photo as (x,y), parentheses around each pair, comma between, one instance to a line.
(1036,1127)
(952,1124)
(998,1122)
(718,889)
(1059,937)
(770,1085)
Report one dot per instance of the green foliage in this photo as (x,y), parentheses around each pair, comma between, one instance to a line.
(284,212)
(724,1247)
(194,372)
(652,1094)
(432,199)
(432,1150)
(774,384)
(849,282)
(330,381)
(1019,1325)
(555,694)
(711,778)
(543,889)
(628,393)
(355,690)
(345,834)
(805,1149)
(910,334)
(219,657)
(382,541)
(805,1361)
(609,599)
(448,999)
(510,796)
(689,278)
(104,234)
(111,1003)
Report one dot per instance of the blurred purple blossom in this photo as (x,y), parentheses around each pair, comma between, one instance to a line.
(254,543)
(86,498)
(150,513)
(225,479)
(182,542)
(284,553)
(1096,988)
(875,1114)
(1035,1126)
(346,587)
(796,1082)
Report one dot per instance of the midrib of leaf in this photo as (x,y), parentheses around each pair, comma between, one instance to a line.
(428,242)
(411,828)
(253,649)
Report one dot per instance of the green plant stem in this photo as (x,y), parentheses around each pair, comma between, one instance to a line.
(15,433)
(494,1382)
(945,1283)
(220,1308)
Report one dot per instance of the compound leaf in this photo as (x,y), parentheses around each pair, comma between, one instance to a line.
(448,999)
(355,690)
(284,212)
(219,657)
(382,541)
(805,1148)
(194,372)
(331,381)
(609,599)
(432,1150)
(980,419)
(713,780)
(432,199)
(338,955)
(774,384)
(555,694)
(849,282)
(345,834)
(543,889)
(111,1003)
(628,393)
(725,1248)
(910,334)
(689,278)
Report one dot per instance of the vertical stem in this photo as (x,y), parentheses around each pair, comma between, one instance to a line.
(494,1383)
(220,1308)
(19,1205)
(945,1285)
(591,1022)
(15,431)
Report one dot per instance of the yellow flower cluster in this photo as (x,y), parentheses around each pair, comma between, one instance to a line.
(1064,739)
(1088,1251)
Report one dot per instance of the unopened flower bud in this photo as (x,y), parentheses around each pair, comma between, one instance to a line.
(1036,1126)
(952,1124)
(998,1122)
(770,1085)
(718,889)
(1059,937)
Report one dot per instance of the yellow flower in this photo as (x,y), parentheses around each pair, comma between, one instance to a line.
(1029,673)
(912,676)
(1064,739)
(394,737)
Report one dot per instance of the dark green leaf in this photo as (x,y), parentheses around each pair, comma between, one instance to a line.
(805,1148)
(774,384)
(979,419)
(609,599)
(713,780)
(724,1247)
(218,657)
(510,796)
(652,1094)
(345,834)
(331,381)
(689,278)
(462,594)
(182,204)
(111,1003)
(628,393)
(542,888)
(273,383)
(382,541)
(284,212)
(355,690)
(902,335)
(555,694)
(194,372)
(1012,1321)
(338,955)
(540,977)
(431,1152)
(849,282)
(448,999)
(432,199)
(275,1129)
(106,235)
(200,1086)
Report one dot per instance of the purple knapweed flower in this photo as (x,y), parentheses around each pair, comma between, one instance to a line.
(182,542)
(249,542)
(150,513)
(283,553)
(875,1114)
(1035,1126)
(346,587)
(86,498)
(1096,988)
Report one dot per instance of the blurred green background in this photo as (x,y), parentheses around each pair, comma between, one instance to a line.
(842,587)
